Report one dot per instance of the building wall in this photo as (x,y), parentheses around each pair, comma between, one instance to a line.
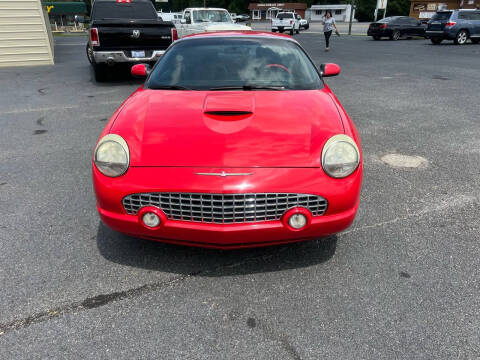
(25,36)
(317,12)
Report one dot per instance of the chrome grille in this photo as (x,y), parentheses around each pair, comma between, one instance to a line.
(224,208)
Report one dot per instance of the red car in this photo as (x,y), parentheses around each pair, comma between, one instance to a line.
(233,141)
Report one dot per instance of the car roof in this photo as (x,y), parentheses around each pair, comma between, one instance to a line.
(240,33)
(205,8)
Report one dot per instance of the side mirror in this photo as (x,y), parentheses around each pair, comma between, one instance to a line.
(329,69)
(183,21)
(140,70)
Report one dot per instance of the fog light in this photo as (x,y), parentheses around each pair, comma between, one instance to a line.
(150,219)
(297,221)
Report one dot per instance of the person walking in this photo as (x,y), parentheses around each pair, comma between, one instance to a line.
(328,26)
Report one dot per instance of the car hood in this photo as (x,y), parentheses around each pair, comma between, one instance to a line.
(228,128)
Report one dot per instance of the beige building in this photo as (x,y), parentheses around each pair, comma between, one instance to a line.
(25,35)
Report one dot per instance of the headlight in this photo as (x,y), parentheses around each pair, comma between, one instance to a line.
(340,156)
(112,156)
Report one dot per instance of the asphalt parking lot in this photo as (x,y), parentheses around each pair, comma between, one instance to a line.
(402,282)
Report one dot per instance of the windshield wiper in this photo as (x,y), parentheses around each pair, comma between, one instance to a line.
(249,88)
(170,87)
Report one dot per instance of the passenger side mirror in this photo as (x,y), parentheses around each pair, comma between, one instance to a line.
(183,21)
(329,69)
(140,70)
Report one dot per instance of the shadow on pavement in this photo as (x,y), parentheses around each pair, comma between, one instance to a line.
(185,260)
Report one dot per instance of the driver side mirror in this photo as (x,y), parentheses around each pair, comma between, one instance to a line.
(183,21)
(329,69)
(140,70)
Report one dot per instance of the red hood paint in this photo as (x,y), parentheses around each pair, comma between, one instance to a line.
(274,129)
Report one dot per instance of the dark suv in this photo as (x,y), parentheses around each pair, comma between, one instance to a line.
(456,25)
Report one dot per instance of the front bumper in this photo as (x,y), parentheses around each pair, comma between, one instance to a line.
(121,57)
(342,195)
(379,32)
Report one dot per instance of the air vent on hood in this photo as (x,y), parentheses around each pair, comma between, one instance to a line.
(228,112)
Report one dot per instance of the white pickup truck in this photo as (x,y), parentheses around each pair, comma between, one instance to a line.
(286,21)
(197,20)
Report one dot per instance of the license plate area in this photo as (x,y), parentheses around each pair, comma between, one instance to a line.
(138,53)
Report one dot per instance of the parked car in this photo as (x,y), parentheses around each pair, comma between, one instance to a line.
(242,17)
(456,25)
(303,22)
(205,158)
(126,33)
(286,21)
(395,27)
(198,20)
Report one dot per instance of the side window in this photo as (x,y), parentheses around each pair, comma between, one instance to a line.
(476,16)
(188,18)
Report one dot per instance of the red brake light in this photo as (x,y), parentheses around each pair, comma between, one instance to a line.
(174,34)
(94,40)
(450,23)
(291,21)
(124,1)
(383,26)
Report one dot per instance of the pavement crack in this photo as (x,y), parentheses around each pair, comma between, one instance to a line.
(104,299)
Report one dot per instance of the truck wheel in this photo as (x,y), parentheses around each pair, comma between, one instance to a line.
(291,32)
(100,72)
(436,41)
(89,54)
(461,37)
(298,30)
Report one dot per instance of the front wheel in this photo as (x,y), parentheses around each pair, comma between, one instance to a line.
(298,30)
(291,32)
(461,37)
(395,36)
(436,41)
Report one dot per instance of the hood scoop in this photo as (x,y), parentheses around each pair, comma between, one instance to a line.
(229,104)
(228,112)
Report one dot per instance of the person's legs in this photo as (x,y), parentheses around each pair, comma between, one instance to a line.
(327,38)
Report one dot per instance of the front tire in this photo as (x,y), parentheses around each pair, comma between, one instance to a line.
(291,32)
(436,41)
(395,36)
(298,30)
(461,38)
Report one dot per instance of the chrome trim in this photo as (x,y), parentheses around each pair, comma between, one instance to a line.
(119,56)
(224,208)
(223,174)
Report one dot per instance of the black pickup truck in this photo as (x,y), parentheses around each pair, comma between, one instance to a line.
(126,32)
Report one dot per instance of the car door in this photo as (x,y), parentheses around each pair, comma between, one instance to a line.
(416,27)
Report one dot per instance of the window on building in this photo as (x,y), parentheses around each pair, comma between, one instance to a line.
(318,12)
(338,12)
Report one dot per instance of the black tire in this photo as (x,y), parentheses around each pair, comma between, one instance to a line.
(100,71)
(475,41)
(436,41)
(395,36)
(376,38)
(291,32)
(274,30)
(89,52)
(298,30)
(461,38)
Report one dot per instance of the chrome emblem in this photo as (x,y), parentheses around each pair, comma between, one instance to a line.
(136,34)
(223,174)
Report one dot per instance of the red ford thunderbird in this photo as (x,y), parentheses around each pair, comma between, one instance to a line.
(233,141)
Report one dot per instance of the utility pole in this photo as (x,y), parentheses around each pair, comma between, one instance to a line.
(352,7)
(204,3)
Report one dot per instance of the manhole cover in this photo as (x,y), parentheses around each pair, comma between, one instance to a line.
(404,161)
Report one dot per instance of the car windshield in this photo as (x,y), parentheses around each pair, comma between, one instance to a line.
(442,15)
(285,16)
(211,16)
(235,63)
(114,10)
